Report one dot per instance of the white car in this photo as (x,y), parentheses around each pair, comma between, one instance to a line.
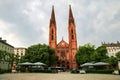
(82,72)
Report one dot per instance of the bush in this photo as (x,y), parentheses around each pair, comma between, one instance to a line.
(5,71)
(1,71)
(75,71)
(100,71)
(42,71)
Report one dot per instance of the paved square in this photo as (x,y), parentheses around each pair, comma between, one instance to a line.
(59,76)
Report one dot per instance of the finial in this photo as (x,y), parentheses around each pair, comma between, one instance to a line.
(69,6)
(62,38)
(52,6)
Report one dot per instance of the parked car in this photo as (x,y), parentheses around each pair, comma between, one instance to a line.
(82,71)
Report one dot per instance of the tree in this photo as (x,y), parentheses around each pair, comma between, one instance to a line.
(84,53)
(1,56)
(113,61)
(88,53)
(7,57)
(16,59)
(101,54)
(40,53)
(118,55)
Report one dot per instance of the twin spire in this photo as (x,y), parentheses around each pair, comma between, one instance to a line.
(53,21)
(71,19)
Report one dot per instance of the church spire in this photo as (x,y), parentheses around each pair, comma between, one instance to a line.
(71,19)
(52,30)
(52,19)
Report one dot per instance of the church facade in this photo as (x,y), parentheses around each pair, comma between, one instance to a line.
(65,51)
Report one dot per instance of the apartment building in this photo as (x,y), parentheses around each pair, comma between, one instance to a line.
(112,48)
(4,46)
(20,51)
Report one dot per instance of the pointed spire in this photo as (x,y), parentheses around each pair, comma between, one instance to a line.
(71,19)
(62,38)
(52,19)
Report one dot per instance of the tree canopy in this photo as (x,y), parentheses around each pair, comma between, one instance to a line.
(84,53)
(118,55)
(40,53)
(7,57)
(88,53)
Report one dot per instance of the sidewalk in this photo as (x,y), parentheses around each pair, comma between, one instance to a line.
(57,76)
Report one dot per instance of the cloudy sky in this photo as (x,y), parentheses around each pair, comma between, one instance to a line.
(26,22)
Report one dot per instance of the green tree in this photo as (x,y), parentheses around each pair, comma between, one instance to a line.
(113,61)
(16,59)
(118,55)
(40,53)
(7,57)
(84,53)
(88,53)
(100,54)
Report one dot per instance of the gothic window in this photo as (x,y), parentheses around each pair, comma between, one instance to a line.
(58,51)
(52,32)
(63,54)
(72,36)
(72,31)
(52,37)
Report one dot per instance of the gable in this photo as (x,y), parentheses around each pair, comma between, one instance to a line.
(62,43)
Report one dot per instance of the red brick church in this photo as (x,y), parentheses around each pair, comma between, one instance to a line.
(64,50)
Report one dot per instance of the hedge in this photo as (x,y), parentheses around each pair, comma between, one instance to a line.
(40,71)
(100,71)
(5,71)
(75,71)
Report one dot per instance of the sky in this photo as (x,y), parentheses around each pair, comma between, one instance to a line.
(26,22)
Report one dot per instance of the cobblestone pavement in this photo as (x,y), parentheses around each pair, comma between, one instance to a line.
(59,76)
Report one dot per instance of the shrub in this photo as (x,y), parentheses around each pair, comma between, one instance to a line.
(100,71)
(42,71)
(1,71)
(75,71)
(5,71)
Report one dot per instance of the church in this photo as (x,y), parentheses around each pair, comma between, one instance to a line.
(65,51)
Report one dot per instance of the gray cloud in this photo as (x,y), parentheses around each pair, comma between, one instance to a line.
(26,22)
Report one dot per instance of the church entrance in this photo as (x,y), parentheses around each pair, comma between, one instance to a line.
(63,64)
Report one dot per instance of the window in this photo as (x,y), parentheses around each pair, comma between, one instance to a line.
(17,53)
(72,31)
(21,54)
(72,36)
(63,54)
(52,37)
(52,32)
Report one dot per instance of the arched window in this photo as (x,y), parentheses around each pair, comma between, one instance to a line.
(52,32)
(52,37)
(72,31)
(72,36)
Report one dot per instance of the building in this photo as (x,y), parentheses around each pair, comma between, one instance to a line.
(4,46)
(20,51)
(66,51)
(112,48)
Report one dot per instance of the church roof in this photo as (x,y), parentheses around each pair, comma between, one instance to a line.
(62,43)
